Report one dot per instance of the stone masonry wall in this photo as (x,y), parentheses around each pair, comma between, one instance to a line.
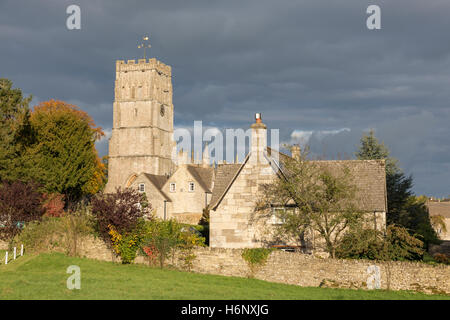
(302,269)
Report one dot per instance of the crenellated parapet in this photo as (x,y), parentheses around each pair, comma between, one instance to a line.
(142,65)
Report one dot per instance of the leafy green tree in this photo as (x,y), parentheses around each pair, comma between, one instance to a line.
(416,218)
(14,130)
(63,154)
(320,201)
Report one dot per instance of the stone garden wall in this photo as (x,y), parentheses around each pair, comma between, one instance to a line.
(304,270)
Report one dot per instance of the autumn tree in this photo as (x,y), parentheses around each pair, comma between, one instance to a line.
(14,130)
(63,151)
(320,200)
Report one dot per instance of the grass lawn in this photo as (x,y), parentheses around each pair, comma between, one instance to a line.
(44,277)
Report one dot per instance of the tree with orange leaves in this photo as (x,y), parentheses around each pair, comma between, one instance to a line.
(63,154)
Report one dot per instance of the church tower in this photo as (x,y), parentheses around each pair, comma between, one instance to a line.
(142,133)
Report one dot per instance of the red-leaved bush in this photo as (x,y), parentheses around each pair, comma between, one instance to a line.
(53,204)
(120,210)
(19,203)
(152,253)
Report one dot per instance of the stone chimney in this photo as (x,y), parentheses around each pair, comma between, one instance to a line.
(295,151)
(259,139)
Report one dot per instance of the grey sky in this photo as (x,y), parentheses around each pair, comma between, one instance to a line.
(311,67)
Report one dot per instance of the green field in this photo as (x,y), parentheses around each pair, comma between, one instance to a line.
(44,277)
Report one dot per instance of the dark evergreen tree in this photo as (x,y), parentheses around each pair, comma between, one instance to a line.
(14,131)
(404,209)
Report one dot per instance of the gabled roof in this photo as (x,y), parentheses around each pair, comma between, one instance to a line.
(204,176)
(158,181)
(225,176)
(369,178)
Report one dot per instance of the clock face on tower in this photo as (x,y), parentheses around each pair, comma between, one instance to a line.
(161,111)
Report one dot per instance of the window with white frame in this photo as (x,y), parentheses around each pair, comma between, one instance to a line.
(173,187)
(191,187)
(141,187)
(279,214)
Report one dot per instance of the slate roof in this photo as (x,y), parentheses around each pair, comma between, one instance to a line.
(204,176)
(439,208)
(369,178)
(158,181)
(223,178)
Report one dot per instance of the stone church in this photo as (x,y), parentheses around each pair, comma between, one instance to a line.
(140,157)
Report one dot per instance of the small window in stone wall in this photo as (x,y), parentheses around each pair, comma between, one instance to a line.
(191,187)
(173,187)
(141,187)
(278,214)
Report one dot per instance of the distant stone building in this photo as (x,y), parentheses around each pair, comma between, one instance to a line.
(141,156)
(442,209)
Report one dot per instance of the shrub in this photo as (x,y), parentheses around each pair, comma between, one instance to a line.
(121,210)
(162,235)
(126,245)
(151,253)
(76,225)
(20,203)
(190,238)
(163,238)
(41,236)
(442,258)
(56,233)
(53,204)
(204,223)
(255,258)
(360,244)
(397,244)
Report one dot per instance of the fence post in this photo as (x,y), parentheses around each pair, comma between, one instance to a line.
(14,253)
(6,258)
(21,250)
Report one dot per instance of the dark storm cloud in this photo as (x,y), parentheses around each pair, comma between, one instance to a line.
(308,66)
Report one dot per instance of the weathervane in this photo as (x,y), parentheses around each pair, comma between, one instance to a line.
(145,44)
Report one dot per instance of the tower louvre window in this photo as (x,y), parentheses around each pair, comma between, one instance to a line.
(141,187)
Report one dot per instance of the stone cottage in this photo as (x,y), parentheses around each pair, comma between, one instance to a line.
(140,157)
(238,187)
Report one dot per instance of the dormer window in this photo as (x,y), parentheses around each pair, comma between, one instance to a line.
(141,187)
(191,187)
(173,187)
